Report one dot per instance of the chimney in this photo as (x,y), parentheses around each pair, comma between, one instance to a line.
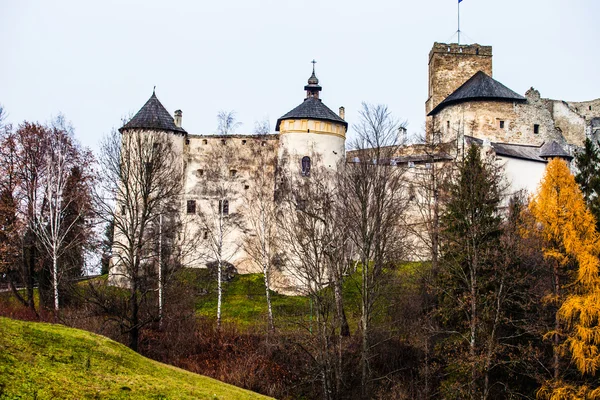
(177,118)
(342,113)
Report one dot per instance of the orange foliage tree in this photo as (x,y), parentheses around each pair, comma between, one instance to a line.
(571,241)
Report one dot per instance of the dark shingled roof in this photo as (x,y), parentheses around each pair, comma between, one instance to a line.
(153,115)
(554,149)
(522,151)
(312,108)
(479,87)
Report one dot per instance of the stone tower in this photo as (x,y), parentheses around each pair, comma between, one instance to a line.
(451,65)
(311,135)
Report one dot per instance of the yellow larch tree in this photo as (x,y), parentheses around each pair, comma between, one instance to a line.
(571,241)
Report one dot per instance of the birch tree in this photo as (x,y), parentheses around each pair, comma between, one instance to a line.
(220,221)
(262,240)
(374,198)
(53,230)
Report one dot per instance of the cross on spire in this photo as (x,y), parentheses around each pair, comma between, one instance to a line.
(313,63)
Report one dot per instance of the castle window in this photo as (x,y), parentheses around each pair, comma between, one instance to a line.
(306,166)
(263,144)
(448,124)
(191,206)
(155,145)
(205,235)
(246,187)
(200,172)
(590,108)
(123,211)
(233,173)
(244,141)
(411,164)
(501,124)
(222,141)
(224,207)
(536,128)
(205,141)
(187,141)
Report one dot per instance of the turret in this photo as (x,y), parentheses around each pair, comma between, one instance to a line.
(311,134)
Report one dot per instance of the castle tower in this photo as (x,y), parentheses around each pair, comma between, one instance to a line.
(451,65)
(311,135)
(149,127)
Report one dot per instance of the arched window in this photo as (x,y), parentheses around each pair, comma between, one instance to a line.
(224,207)
(305,166)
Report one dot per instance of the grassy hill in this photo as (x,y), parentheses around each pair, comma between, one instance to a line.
(46,361)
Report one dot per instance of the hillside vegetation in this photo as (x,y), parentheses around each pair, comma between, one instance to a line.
(47,361)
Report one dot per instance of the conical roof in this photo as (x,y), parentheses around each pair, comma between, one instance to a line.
(312,108)
(153,115)
(479,87)
(553,149)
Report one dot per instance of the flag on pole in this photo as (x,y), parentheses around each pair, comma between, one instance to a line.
(459,1)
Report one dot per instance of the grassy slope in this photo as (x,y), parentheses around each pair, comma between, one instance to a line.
(47,361)
(244,300)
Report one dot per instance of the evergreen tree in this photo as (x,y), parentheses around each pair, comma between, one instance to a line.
(588,177)
(568,230)
(471,232)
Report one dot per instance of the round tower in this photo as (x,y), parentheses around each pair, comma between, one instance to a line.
(311,135)
(154,118)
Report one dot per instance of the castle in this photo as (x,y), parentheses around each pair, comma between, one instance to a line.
(464,105)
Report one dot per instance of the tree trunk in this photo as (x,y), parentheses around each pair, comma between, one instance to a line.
(556,338)
(55,280)
(134,331)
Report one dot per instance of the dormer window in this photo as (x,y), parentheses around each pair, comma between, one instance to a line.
(306,166)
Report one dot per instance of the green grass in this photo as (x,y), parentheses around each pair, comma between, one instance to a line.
(47,361)
(245,304)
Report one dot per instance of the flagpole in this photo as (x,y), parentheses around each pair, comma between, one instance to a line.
(459,22)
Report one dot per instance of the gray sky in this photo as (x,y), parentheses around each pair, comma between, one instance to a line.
(96,61)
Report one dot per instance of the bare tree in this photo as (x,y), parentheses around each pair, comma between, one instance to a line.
(227,122)
(262,127)
(313,242)
(374,201)
(262,240)
(219,219)
(53,230)
(141,184)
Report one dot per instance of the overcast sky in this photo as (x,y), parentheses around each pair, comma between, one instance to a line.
(97,61)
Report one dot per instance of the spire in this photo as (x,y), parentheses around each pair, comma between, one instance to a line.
(313,88)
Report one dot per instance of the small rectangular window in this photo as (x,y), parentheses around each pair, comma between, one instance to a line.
(501,124)
(223,141)
(233,173)
(246,187)
(205,141)
(224,207)
(205,234)
(191,206)
(536,128)
(244,141)
(187,141)
(200,172)
(123,211)
(448,124)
